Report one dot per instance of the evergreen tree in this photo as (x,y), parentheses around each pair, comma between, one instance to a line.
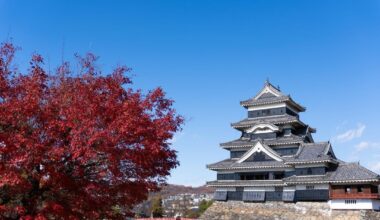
(157,209)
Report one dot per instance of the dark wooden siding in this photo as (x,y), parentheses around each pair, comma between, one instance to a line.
(237,154)
(237,195)
(262,135)
(227,176)
(270,112)
(289,173)
(273,196)
(299,195)
(312,195)
(310,171)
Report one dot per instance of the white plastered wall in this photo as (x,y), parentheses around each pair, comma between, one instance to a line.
(359,204)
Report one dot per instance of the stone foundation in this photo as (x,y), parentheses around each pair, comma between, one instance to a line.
(237,210)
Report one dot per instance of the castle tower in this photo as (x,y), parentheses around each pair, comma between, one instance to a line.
(276,159)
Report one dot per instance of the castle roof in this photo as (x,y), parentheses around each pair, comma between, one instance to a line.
(271,95)
(308,153)
(343,173)
(243,142)
(232,164)
(276,120)
(353,171)
(313,153)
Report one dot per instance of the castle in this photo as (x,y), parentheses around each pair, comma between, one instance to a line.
(276,159)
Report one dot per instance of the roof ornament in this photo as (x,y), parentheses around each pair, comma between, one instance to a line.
(267,81)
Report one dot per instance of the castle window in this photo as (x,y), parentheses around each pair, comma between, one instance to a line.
(309,187)
(278,176)
(350,201)
(309,171)
(266,112)
(360,188)
(347,189)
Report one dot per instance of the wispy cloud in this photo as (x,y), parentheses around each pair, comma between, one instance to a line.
(351,134)
(365,145)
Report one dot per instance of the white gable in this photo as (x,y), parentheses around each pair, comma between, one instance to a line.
(259,147)
(262,128)
(268,88)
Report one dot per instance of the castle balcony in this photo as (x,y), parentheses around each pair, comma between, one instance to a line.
(354,196)
(354,192)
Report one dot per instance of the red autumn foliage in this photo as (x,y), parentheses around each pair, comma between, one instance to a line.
(79,145)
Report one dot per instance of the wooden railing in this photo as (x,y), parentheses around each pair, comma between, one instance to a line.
(354,196)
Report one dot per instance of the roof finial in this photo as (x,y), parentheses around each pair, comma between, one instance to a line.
(267,81)
(278,87)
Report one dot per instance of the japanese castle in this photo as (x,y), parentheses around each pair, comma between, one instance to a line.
(276,159)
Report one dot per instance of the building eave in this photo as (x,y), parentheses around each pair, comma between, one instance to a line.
(237,126)
(245,184)
(248,167)
(286,99)
(310,162)
(332,182)
(225,146)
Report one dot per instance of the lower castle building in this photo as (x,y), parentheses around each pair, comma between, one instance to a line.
(276,159)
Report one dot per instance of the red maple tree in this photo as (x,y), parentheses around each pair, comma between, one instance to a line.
(81,145)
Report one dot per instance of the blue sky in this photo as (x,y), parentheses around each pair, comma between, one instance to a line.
(209,55)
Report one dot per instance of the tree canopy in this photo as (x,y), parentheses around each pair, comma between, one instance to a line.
(79,144)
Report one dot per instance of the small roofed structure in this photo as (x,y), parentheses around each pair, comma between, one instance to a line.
(276,159)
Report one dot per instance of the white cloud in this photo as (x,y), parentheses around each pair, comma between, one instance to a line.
(362,146)
(365,145)
(351,134)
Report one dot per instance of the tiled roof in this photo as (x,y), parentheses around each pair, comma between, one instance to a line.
(272,100)
(232,164)
(352,171)
(292,139)
(306,179)
(278,119)
(246,183)
(345,172)
(307,154)
(312,152)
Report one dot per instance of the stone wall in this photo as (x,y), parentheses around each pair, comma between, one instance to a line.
(237,210)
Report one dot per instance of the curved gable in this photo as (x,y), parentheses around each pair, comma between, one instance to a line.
(268,91)
(263,128)
(260,148)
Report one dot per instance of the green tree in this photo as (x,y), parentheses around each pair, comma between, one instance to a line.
(157,209)
(203,205)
